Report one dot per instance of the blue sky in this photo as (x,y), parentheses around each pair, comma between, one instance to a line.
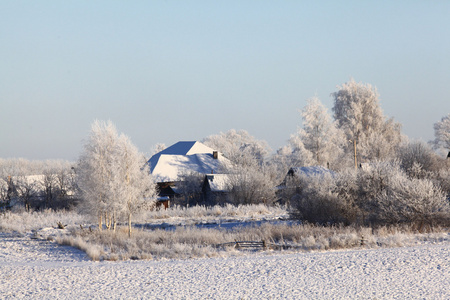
(164,71)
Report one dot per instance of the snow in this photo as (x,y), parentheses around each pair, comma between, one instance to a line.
(37,268)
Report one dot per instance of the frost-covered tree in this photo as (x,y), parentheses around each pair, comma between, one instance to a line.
(131,181)
(94,171)
(111,175)
(325,199)
(296,153)
(358,113)
(319,135)
(239,147)
(285,158)
(442,133)
(251,180)
(157,148)
(51,189)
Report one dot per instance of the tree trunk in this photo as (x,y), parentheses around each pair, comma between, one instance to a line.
(114,221)
(100,222)
(129,224)
(107,221)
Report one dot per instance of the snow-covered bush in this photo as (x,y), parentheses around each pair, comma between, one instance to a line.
(324,199)
(387,195)
(415,201)
(417,159)
(250,185)
(197,214)
(378,193)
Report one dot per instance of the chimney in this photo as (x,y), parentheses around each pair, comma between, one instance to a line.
(215,154)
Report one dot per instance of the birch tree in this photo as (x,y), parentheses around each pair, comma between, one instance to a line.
(94,170)
(358,113)
(319,134)
(112,176)
(132,182)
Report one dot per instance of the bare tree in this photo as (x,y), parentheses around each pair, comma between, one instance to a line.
(442,133)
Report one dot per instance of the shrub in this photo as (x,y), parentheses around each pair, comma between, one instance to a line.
(377,194)
(324,199)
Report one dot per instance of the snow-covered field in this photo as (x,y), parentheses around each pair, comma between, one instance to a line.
(40,269)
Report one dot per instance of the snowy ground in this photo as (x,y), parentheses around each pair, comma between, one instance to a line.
(36,268)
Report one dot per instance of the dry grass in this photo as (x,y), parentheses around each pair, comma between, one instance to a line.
(23,221)
(191,242)
(184,242)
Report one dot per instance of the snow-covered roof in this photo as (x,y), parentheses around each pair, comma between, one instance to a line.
(311,171)
(183,158)
(218,182)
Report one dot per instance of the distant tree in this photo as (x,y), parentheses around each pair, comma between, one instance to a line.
(111,175)
(65,184)
(296,153)
(239,147)
(358,113)
(251,179)
(286,158)
(50,189)
(157,148)
(319,136)
(442,133)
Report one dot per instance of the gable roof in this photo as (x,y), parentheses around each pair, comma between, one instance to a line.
(183,158)
(186,148)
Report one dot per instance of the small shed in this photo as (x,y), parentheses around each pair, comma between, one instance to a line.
(215,188)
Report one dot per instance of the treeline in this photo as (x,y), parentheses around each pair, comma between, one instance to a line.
(37,184)
(379,175)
